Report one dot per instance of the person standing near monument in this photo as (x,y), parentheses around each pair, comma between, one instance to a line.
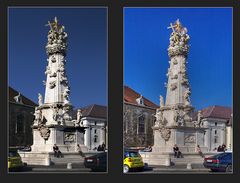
(199,151)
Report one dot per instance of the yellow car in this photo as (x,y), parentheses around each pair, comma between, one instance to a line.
(132,160)
(14,160)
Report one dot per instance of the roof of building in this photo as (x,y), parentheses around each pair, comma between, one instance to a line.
(94,110)
(25,100)
(215,111)
(130,96)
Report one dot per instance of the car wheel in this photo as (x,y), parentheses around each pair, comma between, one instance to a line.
(228,168)
(125,169)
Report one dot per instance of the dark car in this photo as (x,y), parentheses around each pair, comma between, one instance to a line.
(97,163)
(219,162)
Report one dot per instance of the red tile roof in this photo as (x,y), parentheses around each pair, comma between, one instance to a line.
(217,112)
(130,96)
(94,110)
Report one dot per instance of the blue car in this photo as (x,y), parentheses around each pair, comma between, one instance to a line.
(219,162)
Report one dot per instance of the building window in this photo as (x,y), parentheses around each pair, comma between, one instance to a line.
(216,124)
(95,131)
(141,124)
(95,123)
(95,138)
(19,124)
(215,139)
(215,132)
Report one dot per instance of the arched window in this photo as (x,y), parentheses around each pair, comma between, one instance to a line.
(19,124)
(141,124)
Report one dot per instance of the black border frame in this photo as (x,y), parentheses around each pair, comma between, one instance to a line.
(115,85)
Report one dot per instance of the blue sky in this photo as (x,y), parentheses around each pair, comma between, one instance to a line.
(86,66)
(146,39)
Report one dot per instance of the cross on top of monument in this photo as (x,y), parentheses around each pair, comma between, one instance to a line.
(177,27)
(55,26)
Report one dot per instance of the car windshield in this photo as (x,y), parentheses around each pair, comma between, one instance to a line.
(13,154)
(132,154)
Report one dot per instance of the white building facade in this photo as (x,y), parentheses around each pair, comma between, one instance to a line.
(95,120)
(216,120)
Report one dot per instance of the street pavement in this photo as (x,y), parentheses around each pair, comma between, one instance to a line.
(176,169)
(76,168)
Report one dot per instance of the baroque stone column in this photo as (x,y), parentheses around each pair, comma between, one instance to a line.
(174,123)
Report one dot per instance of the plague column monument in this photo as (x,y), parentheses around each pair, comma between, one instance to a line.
(53,123)
(174,124)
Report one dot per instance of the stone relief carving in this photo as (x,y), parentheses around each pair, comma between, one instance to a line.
(165,133)
(44,132)
(173,86)
(69,137)
(174,76)
(190,138)
(175,62)
(53,59)
(54,74)
(52,84)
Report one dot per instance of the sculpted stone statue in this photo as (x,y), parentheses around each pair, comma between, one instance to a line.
(199,122)
(55,113)
(173,86)
(187,97)
(48,71)
(161,101)
(17,98)
(79,117)
(178,117)
(38,116)
(52,84)
(40,101)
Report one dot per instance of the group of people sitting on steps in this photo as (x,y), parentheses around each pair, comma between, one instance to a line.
(58,153)
(178,153)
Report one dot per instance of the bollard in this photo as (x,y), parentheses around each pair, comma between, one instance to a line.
(48,161)
(168,162)
(189,166)
(69,166)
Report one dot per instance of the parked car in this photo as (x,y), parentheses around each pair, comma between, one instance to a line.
(14,160)
(132,160)
(97,162)
(219,162)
